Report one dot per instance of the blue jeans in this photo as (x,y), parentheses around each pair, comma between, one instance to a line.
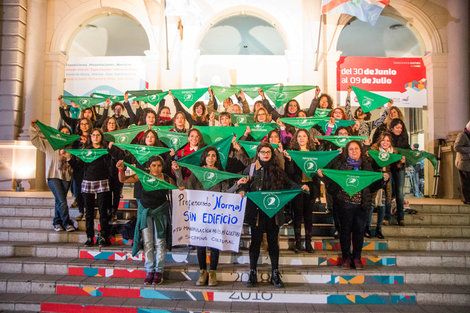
(59,189)
(154,248)
(380,215)
(398,182)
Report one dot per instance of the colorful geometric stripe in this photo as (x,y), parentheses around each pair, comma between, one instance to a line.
(235,296)
(335,245)
(117,241)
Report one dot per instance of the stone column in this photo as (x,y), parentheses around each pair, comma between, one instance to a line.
(189,59)
(54,70)
(331,87)
(13,35)
(33,91)
(436,74)
(152,68)
(295,63)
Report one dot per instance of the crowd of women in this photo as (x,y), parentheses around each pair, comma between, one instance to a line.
(272,168)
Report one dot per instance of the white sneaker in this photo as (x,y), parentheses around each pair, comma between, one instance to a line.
(58,228)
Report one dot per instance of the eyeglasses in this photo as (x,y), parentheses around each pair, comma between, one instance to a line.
(111,123)
(265,152)
(95,135)
(82,124)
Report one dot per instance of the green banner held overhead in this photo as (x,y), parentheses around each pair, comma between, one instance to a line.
(322,112)
(113,98)
(302,122)
(213,134)
(251,146)
(188,96)
(341,141)
(384,158)
(311,161)
(270,202)
(352,181)
(223,146)
(279,95)
(84,102)
(153,99)
(140,93)
(173,140)
(338,123)
(259,130)
(55,138)
(415,156)
(125,135)
(223,93)
(87,155)
(253,90)
(150,182)
(142,153)
(368,100)
(209,177)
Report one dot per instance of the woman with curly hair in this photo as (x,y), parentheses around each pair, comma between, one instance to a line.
(195,142)
(264,174)
(199,117)
(302,204)
(324,101)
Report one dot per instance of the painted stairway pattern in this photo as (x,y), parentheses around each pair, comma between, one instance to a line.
(112,273)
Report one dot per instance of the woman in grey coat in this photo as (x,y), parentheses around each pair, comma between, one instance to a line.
(462,162)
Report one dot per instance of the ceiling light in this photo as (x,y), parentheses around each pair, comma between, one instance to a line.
(396,26)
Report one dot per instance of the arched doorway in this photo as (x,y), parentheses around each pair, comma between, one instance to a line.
(106,55)
(242,49)
(391,37)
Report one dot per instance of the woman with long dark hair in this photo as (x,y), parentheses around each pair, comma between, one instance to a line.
(156,205)
(179,121)
(199,117)
(353,211)
(265,174)
(399,140)
(384,144)
(302,204)
(195,142)
(209,159)
(95,181)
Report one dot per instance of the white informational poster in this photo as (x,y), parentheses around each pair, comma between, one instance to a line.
(207,219)
(109,75)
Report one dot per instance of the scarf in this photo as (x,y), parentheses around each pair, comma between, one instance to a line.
(163,121)
(356,164)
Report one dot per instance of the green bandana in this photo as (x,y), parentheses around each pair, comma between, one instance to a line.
(279,95)
(55,138)
(153,99)
(259,130)
(322,112)
(209,177)
(384,158)
(272,201)
(223,93)
(252,90)
(251,146)
(338,123)
(238,118)
(142,153)
(113,98)
(173,140)
(140,93)
(87,155)
(415,156)
(311,161)
(84,102)
(341,141)
(188,96)
(125,135)
(352,181)
(150,182)
(368,100)
(302,122)
(223,146)
(212,134)
(165,128)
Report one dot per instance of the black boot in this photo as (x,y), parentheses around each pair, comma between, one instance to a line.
(298,244)
(276,279)
(367,233)
(308,242)
(378,233)
(252,279)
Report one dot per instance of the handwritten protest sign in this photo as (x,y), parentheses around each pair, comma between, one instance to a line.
(207,219)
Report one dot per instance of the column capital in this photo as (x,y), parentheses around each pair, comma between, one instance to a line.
(434,59)
(333,56)
(152,55)
(56,57)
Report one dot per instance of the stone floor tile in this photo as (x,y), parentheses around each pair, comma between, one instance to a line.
(272,307)
(327,308)
(245,307)
(188,305)
(61,298)
(354,308)
(138,303)
(85,300)
(111,301)
(217,306)
(435,309)
(408,308)
(381,308)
